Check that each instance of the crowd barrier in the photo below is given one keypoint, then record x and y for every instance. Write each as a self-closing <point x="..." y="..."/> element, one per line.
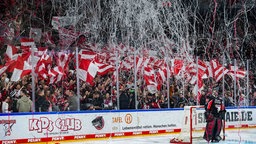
<point x="61" y="126"/>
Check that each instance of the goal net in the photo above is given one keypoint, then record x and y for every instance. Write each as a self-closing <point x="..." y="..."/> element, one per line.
<point x="193" y="126"/>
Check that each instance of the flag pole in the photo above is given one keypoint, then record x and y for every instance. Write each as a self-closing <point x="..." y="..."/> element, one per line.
<point x="77" y="81"/>
<point x="197" y="101"/>
<point x="223" y="95"/>
<point x="117" y="82"/>
<point x="135" y="80"/>
<point x="77" y="65"/>
<point x="223" y="79"/>
<point x="33" y="79"/>
<point x="168" y="81"/>
<point x="235" y="82"/>
<point x="247" y="83"/>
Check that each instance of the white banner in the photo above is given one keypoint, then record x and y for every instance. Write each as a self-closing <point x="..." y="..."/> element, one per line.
<point x="92" y="124"/>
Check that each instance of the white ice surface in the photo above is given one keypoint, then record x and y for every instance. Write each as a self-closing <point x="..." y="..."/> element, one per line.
<point x="237" y="136"/>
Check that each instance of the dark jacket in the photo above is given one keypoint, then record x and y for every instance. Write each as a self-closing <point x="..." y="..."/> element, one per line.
<point x="124" y="101"/>
<point x="41" y="104"/>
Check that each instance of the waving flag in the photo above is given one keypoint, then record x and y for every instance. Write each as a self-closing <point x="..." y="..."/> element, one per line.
<point x="19" y="73"/>
<point x="87" y="71"/>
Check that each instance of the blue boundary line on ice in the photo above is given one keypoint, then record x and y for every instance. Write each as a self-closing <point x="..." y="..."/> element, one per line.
<point x="106" y="111"/>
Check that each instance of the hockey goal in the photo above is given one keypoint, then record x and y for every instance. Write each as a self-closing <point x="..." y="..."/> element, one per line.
<point x="193" y="126"/>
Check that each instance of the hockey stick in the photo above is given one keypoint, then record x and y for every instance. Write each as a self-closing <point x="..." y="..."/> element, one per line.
<point x="223" y="129"/>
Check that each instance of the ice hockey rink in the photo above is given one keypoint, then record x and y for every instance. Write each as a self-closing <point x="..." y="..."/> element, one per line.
<point x="235" y="136"/>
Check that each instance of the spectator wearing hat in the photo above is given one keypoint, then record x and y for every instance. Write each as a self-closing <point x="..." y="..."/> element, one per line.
<point x="24" y="104"/>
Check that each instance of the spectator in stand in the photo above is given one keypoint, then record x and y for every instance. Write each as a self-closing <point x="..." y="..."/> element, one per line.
<point x="41" y="103"/>
<point x="182" y="101"/>
<point x="4" y="79"/>
<point x="242" y="100"/>
<point x="24" y="104"/>
<point x="85" y="100"/>
<point x="123" y="99"/>
<point x="54" y="100"/>
<point x="154" y="104"/>
<point x="72" y="101"/>
<point x="227" y="101"/>
<point x="215" y="93"/>
<point x="48" y="97"/>
<point x="191" y="99"/>
<point x="5" y="105"/>
<point x="203" y="97"/>
<point x="4" y="93"/>
<point x="97" y="101"/>
<point x="253" y="102"/>
<point x="1" y="101"/>
<point x="131" y="94"/>
<point x="15" y="95"/>
<point x="230" y="97"/>
<point x="107" y="101"/>
<point x="175" y="98"/>
<point x="29" y="89"/>
<point x="163" y="101"/>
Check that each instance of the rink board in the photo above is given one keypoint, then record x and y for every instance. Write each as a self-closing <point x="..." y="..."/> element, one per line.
<point x="61" y="126"/>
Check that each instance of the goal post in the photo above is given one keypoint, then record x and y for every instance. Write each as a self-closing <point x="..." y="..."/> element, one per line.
<point x="193" y="125"/>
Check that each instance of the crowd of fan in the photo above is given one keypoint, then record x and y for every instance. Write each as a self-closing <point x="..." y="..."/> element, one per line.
<point x="62" y="96"/>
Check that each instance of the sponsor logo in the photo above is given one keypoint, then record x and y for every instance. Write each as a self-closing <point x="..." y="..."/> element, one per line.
<point x="80" y="137"/>
<point x="128" y="118"/>
<point x="239" y="116"/>
<point x="98" y="122"/>
<point x="232" y="116"/>
<point x="7" y="124"/>
<point x="59" y="138"/>
<point x="100" y="135"/>
<point x="117" y="120"/>
<point x="34" y="140"/>
<point x="9" y="142"/>
<point x="43" y="123"/>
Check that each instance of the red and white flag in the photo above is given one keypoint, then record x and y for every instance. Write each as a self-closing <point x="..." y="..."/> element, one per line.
<point x="149" y="77"/>
<point x="87" y="70"/>
<point x="85" y="54"/>
<point x="26" y="44"/>
<point x="3" y="69"/>
<point x="162" y="74"/>
<point x="19" y="73"/>
<point x="40" y="51"/>
<point x="11" y="52"/>
<point x="141" y="62"/>
<point x="218" y="70"/>
<point x="202" y="68"/>
<point x="236" y="73"/>
<point x="56" y="74"/>
<point x="63" y="59"/>
<point x="177" y="65"/>
<point x="104" y="69"/>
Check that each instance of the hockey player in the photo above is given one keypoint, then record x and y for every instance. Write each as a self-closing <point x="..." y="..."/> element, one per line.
<point x="214" y="114"/>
